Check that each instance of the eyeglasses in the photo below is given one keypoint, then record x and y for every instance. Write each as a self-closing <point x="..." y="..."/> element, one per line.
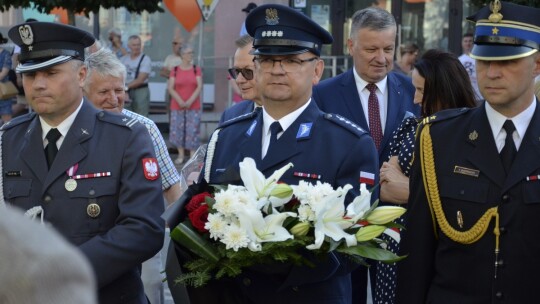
<point x="247" y="73"/>
<point x="175" y="43"/>
<point x="289" y="65"/>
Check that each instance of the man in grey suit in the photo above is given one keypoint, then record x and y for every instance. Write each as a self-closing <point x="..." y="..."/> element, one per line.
<point x="97" y="182"/>
<point x="369" y="94"/>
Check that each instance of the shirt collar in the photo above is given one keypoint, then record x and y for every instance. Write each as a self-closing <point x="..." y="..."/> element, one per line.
<point x="286" y="121"/>
<point x="521" y="121"/>
<point x="63" y="127"/>
<point x="361" y="83"/>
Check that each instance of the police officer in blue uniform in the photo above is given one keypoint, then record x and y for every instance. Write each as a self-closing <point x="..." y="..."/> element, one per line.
<point x="90" y="174"/>
<point x="291" y="128"/>
<point x="474" y="203"/>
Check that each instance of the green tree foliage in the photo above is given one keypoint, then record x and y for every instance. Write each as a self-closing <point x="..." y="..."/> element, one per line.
<point x="84" y="6"/>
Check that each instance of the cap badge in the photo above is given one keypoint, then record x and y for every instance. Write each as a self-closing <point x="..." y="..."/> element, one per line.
<point x="27" y="36"/>
<point x="272" y="16"/>
<point x="495" y="7"/>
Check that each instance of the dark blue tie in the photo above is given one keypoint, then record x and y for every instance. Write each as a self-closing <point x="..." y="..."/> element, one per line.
<point x="275" y="128"/>
<point x="51" y="149"/>
<point x="509" y="151"/>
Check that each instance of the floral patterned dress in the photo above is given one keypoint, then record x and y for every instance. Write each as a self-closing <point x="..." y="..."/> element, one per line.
<point x="402" y="146"/>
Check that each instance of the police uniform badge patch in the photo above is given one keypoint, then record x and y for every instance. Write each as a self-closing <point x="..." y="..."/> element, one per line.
<point x="150" y="168"/>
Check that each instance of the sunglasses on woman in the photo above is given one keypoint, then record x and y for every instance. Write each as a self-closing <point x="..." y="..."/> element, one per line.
<point x="247" y="73"/>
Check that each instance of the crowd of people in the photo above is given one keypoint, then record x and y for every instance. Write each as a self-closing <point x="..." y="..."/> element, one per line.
<point x="452" y="139"/>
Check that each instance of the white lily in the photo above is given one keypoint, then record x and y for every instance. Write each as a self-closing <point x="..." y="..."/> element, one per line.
<point x="358" y="207"/>
<point x="264" y="189"/>
<point x="385" y="214"/>
<point x="329" y="219"/>
<point x="262" y="229"/>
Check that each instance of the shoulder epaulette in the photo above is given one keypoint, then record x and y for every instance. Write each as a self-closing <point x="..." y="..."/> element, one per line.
<point x="17" y="121"/>
<point x="117" y="119"/>
<point x="238" y="119"/>
<point x="444" y="115"/>
<point x="345" y="123"/>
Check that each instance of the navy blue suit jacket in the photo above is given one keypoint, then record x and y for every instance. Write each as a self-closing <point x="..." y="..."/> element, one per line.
<point x="334" y="149"/>
<point x="243" y="107"/>
<point x="128" y="229"/>
<point x="339" y="95"/>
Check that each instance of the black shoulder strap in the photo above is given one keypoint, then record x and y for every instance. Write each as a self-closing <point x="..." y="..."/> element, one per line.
<point x="195" y="69"/>
<point x="138" y="67"/>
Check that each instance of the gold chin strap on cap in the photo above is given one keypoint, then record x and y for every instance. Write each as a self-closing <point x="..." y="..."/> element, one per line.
<point x="427" y="163"/>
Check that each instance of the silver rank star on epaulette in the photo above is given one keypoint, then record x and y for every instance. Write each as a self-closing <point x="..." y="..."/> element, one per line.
<point x="345" y="120"/>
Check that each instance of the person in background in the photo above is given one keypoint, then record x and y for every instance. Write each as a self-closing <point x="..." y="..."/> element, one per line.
<point x="91" y="174"/>
<point x="115" y="43"/>
<point x="406" y="59"/>
<point x="439" y="83"/>
<point x="370" y="95"/>
<point x="286" y="67"/>
<point x="473" y="211"/>
<point x="470" y="65"/>
<point x="185" y="85"/>
<point x="39" y="266"/>
<point x="243" y="72"/>
<point x="5" y="67"/>
<point x="138" y="66"/>
<point x="249" y="7"/>
<point x="537" y="87"/>
<point x="173" y="59"/>
<point x="104" y="87"/>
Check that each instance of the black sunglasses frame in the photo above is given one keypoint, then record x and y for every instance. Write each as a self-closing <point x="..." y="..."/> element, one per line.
<point x="247" y="73"/>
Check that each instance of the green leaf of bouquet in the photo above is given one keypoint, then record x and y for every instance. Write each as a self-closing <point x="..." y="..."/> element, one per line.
<point x="191" y="240"/>
<point x="373" y="253"/>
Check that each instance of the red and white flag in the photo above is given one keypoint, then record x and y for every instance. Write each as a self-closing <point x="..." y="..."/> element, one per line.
<point x="367" y="178"/>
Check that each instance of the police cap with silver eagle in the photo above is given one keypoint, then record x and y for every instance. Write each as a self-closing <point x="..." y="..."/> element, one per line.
<point x="281" y="30"/>
<point x="45" y="44"/>
<point x="505" y="31"/>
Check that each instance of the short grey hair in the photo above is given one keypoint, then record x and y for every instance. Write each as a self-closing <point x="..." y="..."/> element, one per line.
<point x="243" y="41"/>
<point x="103" y="62"/>
<point x="373" y="18"/>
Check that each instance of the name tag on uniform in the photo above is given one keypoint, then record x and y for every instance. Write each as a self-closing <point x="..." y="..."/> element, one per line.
<point x="13" y="173"/>
<point x="466" y="171"/>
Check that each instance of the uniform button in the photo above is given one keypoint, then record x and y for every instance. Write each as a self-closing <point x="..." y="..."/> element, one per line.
<point x="295" y="288"/>
<point x="499" y="295"/>
<point x="47" y="198"/>
<point x="500" y="263"/>
<point x="462" y="192"/>
<point x="502" y="230"/>
<point x="101" y="114"/>
<point x="246" y="281"/>
<point x="506" y="198"/>
<point x="92" y="192"/>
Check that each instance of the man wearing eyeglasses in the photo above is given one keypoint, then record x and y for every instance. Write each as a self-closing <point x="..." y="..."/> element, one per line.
<point x="243" y="73"/>
<point x="291" y="128"/>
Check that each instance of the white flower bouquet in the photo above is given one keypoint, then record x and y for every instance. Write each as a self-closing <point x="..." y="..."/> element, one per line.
<point x="230" y="228"/>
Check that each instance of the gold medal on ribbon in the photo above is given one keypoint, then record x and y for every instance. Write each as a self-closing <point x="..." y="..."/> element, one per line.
<point x="70" y="184"/>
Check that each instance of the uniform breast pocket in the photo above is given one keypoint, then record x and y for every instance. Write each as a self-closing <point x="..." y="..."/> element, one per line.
<point x="531" y="192"/>
<point x="95" y="188"/>
<point x="17" y="188"/>
<point x="463" y="188"/>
